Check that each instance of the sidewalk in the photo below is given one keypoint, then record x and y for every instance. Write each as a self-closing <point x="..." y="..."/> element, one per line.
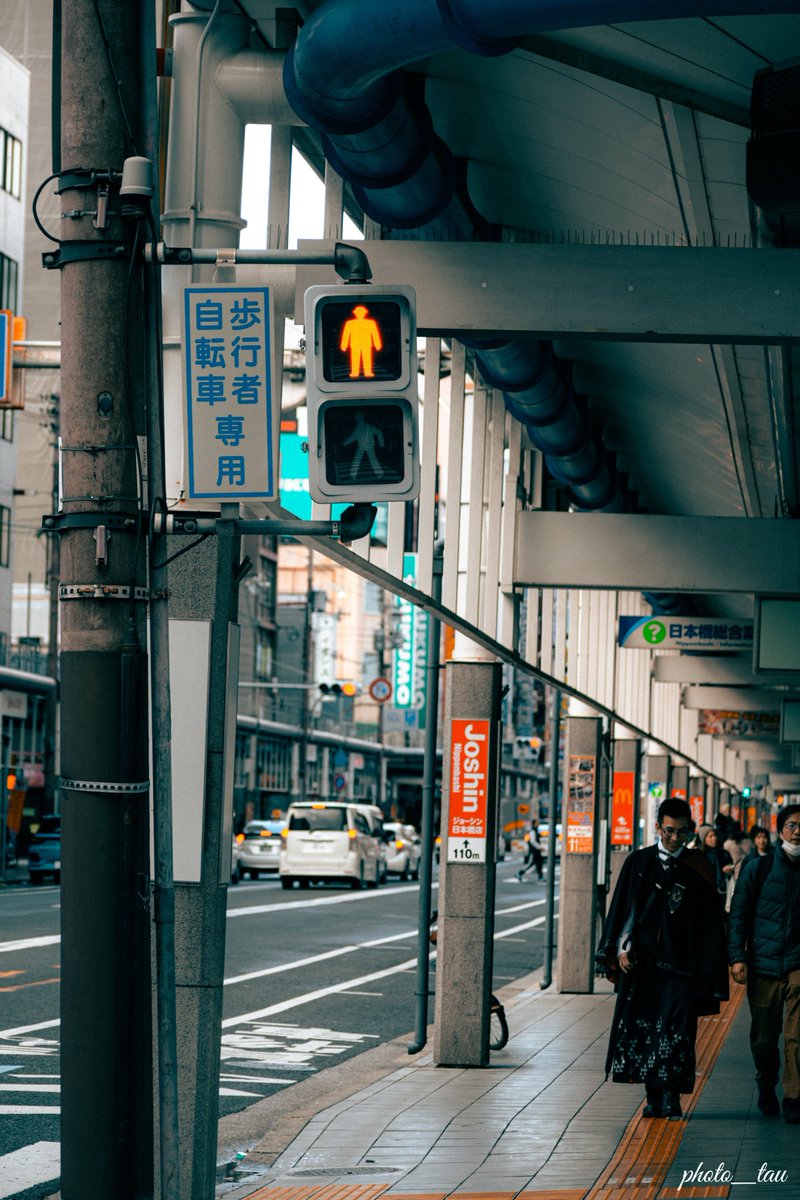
<point x="540" y="1123"/>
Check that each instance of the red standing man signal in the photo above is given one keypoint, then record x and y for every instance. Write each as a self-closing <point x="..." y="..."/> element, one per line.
<point x="361" y="336"/>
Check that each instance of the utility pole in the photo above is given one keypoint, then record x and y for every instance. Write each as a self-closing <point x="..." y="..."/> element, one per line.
<point x="106" y="1050"/>
<point x="53" y="571"/>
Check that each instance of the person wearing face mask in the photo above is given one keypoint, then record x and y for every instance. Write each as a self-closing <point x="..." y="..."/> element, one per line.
<point x="663" y="946"/>
<point x="764" y="952"/>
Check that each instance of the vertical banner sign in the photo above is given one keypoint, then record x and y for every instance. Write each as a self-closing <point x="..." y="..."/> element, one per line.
<point x="231" y="420"/>
<point x="411" y="657"/>
<point x="580" y="804"/>
<point x="469" y="771"/>
<point x="622" y="809"/>
<point x="697" y="804"/>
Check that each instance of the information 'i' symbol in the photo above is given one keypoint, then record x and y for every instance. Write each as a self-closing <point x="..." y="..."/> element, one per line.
<point x="361" y="336"/>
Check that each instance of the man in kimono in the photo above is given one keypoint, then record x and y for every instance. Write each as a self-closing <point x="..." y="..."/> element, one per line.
<point x="663" y="946"/>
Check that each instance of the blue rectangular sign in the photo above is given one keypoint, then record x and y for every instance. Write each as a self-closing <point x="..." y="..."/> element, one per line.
<point x="231" y="417"/>
<point x="685" y="633"/>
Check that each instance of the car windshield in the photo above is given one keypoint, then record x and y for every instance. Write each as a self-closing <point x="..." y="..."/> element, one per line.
<point x="255" y="829"/>
<point x="310" y="819"/>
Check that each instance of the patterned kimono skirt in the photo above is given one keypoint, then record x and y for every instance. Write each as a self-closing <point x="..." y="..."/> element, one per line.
<point x="656" y="1028"/>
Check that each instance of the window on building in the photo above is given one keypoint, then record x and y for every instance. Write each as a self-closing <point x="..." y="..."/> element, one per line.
<point x="5" y="535"/>
<point x="9" y="282"/>
<point x="6" y="424"/>
<point x="10" y="164"/>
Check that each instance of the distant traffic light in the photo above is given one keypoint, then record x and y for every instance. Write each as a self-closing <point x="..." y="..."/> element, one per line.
<point x="348" y="688"/>
<point x="361" y="387"/>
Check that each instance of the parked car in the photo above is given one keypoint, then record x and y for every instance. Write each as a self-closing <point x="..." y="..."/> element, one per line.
<point x="374" y="817"/>
<point x="259" y="849"/>
<point x="328" y="843"/>
<point x="44" y="854"/>
<point x="404" y="849"/>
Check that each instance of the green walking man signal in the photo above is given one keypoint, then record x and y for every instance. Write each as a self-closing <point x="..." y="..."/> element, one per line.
<point x="361" y="388"/>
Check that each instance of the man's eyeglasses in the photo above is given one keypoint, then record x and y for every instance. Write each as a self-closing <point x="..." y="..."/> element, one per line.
<point x="792" y="826"/>
<point x="668" y="831"/>
<point x="680" y="834"/>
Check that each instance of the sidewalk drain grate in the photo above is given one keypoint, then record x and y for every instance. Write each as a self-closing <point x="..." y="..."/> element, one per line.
<point x="318" y="1171"/>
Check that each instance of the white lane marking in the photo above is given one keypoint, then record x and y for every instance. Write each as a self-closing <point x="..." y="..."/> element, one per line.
<point x="251" y="910"/>
<point x="22" y="1029"/>
<point x="351" y="898"/>
<point x="252" y="1079"/>
<point x="9" y="1033"/>
<point x="502" y="912"/>
<point x="308" y="997"/>
<point x="518" y="928"/>
<point x="30" y="1165"/>
<point x="235" y="1092"/>
<point x="30" y="1087"/>
<point x="29" y="943"/>
<point x="315" y="958"/>
<point x="27" y="1110"/>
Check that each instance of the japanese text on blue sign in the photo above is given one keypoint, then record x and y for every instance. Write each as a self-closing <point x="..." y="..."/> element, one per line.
<point x="684" y="633"/>
<point x="231" y="426"/>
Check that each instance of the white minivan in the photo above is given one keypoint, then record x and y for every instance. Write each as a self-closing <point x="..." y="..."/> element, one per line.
<point x="328" y="842"/>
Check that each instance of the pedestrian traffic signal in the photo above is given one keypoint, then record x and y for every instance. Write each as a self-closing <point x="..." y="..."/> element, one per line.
<point x="361" y="388"/>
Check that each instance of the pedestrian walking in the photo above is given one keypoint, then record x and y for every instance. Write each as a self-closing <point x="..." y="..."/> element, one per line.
<point x="762" y="845"/>
<point x="764" y="952"/>
<point x="663" y="946"/>
<point x="719" y="860"/>
<point x="534" y="857"/>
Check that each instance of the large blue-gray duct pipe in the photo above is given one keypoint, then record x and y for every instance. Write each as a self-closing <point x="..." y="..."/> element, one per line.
<point x="344" y="78"/>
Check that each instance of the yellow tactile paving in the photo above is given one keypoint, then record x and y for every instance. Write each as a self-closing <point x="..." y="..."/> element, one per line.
<point x="647" y="1149"/>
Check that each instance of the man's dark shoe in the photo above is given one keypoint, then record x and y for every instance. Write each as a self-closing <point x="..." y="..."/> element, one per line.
<point x="671" y="1105"/>
<point x="654" y="1102"/>
<point x="768" y="1102"/>
<point x="791" y="1111"/>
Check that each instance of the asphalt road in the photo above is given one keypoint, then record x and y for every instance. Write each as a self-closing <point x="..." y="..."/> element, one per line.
<point x="311" y="979"/>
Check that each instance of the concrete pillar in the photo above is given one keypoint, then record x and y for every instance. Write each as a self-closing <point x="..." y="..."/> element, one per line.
<point x="467" y="863"/>
<point x="697" y="799"/>
<point x="659" y="776"/>
<point x="679" y="783"/>
<point x="624" y="816"/>
<point x="724" y="802"/>
<point x="579" y="850"/>
<point x="712" y="801"/>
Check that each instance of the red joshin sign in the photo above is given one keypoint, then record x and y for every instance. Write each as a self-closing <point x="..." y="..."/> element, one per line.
<point x="469" y="771"/>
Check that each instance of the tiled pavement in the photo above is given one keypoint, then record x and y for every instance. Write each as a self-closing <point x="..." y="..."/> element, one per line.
<point x="541" y="1123"/>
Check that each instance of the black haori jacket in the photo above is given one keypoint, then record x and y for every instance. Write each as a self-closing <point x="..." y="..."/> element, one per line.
<point x="707" y="957"/>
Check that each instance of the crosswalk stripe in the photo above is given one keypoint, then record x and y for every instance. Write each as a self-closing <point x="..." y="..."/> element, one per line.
<point x="25" y="1168"/>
